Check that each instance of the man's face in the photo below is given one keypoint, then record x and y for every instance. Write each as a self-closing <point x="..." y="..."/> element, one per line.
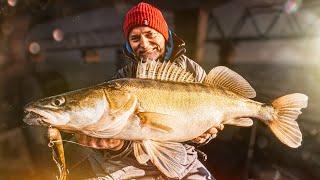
<point x="147" y="43"/>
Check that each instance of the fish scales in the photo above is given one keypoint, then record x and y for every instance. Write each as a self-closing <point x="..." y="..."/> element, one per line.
<point x="179" y="96"/>
<point x="182" y="100"/>
<point x="152" y="97"/>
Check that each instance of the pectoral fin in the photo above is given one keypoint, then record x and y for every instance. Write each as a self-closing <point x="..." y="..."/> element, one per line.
<point x="156" y="121"/>
<point x="140" y="154"/>
<point x="169" y="157"/>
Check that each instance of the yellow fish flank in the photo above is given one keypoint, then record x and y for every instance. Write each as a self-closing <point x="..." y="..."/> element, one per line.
<point x="168" y="111"/>
<point x="163" y="107"/>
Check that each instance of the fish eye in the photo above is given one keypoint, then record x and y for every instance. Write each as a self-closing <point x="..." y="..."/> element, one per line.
<point x="58" y="101"/>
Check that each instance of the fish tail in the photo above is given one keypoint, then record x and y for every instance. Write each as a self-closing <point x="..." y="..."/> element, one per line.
<point x="284" y="124"/>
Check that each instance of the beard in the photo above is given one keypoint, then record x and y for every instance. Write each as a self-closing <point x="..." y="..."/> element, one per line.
<point x="150" y="54"/>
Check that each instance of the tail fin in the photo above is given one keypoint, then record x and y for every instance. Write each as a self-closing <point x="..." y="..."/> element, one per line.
<point x="284" y="124"/>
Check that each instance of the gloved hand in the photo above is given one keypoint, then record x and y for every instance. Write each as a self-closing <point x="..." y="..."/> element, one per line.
<point x="129" y="172"/>
<point x="208" y="135"/>
<point x="99" y="143"/>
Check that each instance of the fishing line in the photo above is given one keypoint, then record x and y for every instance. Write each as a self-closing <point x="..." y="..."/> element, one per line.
<point x="54" y="157"/>
<point x="60" y="167"/>
<point x="51" y="143"/>
<point x="72" y="142"/>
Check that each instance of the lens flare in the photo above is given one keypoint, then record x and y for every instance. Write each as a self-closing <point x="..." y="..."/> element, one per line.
<point x="34" y="48"/>
<point x="58" y="35"/>
<point x="292" y="6"/>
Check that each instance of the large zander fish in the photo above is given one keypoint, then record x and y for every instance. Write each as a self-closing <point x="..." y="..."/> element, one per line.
<point x="163" y="107"/>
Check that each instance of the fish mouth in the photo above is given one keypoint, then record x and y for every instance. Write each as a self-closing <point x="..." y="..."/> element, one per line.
<point x="32" y="117"/>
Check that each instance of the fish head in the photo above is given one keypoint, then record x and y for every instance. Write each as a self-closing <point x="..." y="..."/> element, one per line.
<point x="73" y="110"/>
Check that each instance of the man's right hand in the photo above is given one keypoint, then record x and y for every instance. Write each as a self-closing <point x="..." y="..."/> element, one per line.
<point x="99" y="143"/>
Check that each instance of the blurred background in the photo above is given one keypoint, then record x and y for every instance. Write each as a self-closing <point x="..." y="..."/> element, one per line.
<point x="53" y="46"/>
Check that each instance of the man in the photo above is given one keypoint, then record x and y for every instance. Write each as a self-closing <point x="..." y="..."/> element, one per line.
<point x="147" y="38"/>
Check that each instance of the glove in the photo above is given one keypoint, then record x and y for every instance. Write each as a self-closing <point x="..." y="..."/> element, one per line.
<point x="128" y="172"/>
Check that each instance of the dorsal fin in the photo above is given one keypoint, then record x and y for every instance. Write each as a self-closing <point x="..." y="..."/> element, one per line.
<point x="164" y="71"/>
<point x="228" y="79"/>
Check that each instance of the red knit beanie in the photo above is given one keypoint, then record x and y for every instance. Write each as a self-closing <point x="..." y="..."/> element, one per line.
<point x="144" y="14"/>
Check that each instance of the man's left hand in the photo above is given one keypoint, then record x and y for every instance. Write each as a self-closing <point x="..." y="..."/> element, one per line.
<point x="208" y="135"/>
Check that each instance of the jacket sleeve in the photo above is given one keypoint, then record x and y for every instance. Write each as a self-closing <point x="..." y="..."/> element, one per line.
<point x="191" y="66"/>
<point x="128" y="71"/>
